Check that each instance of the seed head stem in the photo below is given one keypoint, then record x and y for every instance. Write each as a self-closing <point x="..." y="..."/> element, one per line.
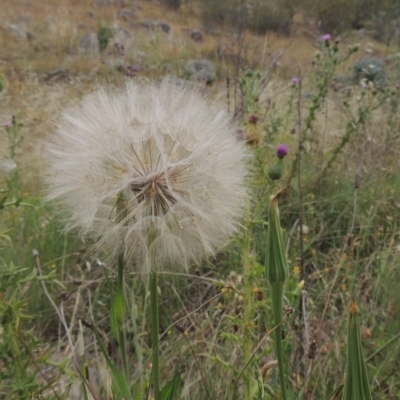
<point x="121" y="328"/>
<point x="154" y="334"/>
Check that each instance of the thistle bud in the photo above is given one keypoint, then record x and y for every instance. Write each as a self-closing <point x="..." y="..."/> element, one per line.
<point x="275" y="170"/>
<point x="276" y="265"/>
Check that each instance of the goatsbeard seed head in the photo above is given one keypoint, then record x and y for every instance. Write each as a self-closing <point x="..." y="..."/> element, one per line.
<point x="154" y="171"/>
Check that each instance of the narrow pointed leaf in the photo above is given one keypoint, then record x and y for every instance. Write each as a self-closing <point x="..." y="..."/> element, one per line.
<point x="276" y="272"/>
<point x="356" y="385"/>
<point x="169" y="390"/>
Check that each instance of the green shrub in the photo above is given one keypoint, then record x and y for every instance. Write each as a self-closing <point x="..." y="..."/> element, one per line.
<point x="104" y="34"/>
<point x="232" y="12"/>
<point x="273" y="16"/>
<point x="2" y="83"/>
<point x="259" y="16"/>
<point x="174" y="4"/>
<point x="370" y="69"/>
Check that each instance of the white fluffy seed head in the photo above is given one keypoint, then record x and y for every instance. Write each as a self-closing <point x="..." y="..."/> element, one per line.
<point x="154" y="171"/>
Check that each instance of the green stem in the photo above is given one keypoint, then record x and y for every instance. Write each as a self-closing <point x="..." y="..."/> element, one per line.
<point x="154" y="334"/>
<point x="121" y="328"/>
<point x="277" y="306"/>
<point x="138" y="348"/>
<point x="247" y="311"/>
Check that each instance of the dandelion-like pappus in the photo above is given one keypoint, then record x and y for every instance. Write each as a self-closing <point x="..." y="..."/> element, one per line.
<point x="154" y="171"/>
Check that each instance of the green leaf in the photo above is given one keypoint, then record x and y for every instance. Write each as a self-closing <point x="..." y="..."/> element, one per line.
<point x="276" y="272"/>
<point x="169" y="390"/>
<point x="141" y="391"/>
<point x="3" y="202"/>
<point x="356" y="385"/>
<point x="119" y="383"/>
<point x="119" y="305"/>
<point x="113" y="321"/>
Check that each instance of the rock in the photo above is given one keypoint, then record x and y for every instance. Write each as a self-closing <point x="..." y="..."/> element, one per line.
<point x="152" y="24"/>
<point x="57" y="75"/>
<point x="120" y="42"/>
<point x="135" y="6"/>
<point x="141" y="55"/>
<point x="125" y="15"/>
<point x="50" y="25"/>
<point x="201" y="70"/>
<point x="122" y="35"/>
<point x="196" y="35"/>
<point x="164" y="27"/>
<point x="115" y="63"/>
<point x="24" y="19"/>
<point x="19" y="32"/>
<point x="89" y="44"/>
<point x="101" y="3"/>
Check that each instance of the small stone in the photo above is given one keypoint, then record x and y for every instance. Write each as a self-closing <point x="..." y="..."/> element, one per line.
<point x="57" y="75"/>
<point x="115" y="64"/>
<point x="126" y="15"/>
<point x="164" y="27"/>
<point x="201" y="70"/>
<point x="152" y="24"/>
<point x="19" y="32"/>
<point x="89" y="44"/>
<point x="196" y="36"/>
<point x="101" y="3"/>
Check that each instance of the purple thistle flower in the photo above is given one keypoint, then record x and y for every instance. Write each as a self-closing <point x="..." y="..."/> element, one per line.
<point x="295" y="81"/>
<point x="282" y="150"/>
<point x="326" y="37"/>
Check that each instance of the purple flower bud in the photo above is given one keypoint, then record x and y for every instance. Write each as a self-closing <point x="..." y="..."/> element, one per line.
<point x="252" y="118"/>
<point x="282" y="150"/>
<point x="295" y="81"/>
<point x="326" y="37"/>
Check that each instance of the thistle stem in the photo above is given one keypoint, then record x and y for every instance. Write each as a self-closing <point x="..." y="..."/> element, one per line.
<point x="121" y="328"/>
<point x="154" y="334"/>
<point x="277" y="306"/>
